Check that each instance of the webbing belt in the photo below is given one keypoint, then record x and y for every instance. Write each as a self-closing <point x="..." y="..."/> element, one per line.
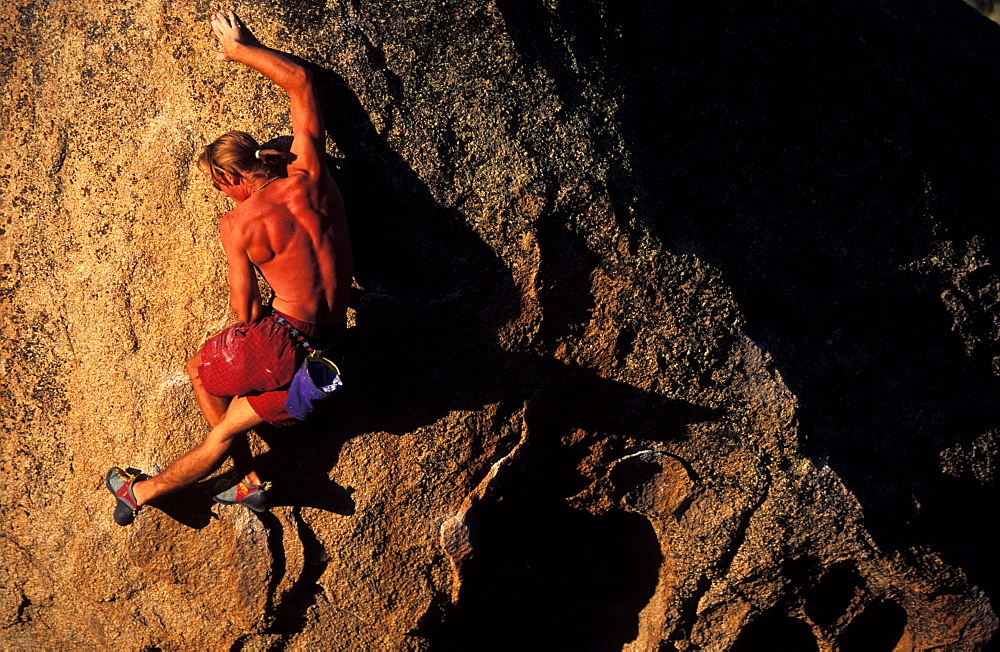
<point x="294" y="332"/>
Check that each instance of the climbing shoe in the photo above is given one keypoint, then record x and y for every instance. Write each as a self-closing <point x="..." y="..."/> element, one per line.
<point x="254" y="496"/>
<point x="119" y="483"/>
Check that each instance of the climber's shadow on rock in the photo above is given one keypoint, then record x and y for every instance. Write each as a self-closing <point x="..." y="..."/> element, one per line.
<point x="297" y="464"/>
<point x="191" y="506"/>
<point x="434" y="297"/>
<point x="296" y="483"/>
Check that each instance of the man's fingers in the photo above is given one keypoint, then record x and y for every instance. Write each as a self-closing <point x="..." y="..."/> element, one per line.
<point x="225" y="24"/>
<point x="222" y="24"/>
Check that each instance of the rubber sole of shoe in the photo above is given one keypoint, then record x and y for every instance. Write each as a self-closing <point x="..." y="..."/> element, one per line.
<point x="124" y="513"/>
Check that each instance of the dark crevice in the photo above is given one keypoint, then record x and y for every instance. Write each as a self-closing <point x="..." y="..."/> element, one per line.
<point x="776" y="631"/>
<point x="829" y="600"/>
<point x="877" y="629"/>
<point x="743" y="527"/>
<point x="22" y="609"/>
<point x="687" y="610"/>
<point x="275" y="543"/>
<point x="289" y="614"/>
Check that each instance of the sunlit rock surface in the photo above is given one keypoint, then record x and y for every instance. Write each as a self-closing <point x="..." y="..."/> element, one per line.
<point x="678" y="328"/>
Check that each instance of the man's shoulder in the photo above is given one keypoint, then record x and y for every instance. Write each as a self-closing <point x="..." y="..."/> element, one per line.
<point x="228" y="222"/>
<point x="242" y="216"/>
<point x="234" y="225"/>
<point x="305" y="181"/>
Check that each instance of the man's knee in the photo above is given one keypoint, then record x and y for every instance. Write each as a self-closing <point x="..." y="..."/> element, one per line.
<point x="240" y="417"/>
<point x="192" y="367"/>
<point x="222" y="435"/>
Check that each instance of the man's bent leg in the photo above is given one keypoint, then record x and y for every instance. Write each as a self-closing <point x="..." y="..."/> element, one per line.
<point x="201" y="460"/>
<point x="212" y="407"/>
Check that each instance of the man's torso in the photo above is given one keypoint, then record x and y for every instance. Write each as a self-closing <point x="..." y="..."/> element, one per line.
<point x="296" y="233"/>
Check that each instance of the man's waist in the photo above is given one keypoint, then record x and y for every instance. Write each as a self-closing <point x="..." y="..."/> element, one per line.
<point x="309" y="314"/>
<point x="319" y="336"/>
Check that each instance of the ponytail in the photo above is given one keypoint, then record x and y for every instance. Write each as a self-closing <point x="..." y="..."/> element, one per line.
<point x="274" y="160"/>
<point x="238" y="154"/>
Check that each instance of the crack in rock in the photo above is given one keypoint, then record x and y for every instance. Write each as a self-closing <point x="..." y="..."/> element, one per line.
<point x="455" y="529"/>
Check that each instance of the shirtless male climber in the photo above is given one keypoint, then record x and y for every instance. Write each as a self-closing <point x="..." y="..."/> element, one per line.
<point x="289" y="223"/>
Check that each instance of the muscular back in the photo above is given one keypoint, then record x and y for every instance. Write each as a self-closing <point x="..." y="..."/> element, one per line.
<point x="295" y="232"/>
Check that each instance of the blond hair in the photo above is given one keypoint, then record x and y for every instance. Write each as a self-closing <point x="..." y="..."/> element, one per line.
<point x="238" y="154"/>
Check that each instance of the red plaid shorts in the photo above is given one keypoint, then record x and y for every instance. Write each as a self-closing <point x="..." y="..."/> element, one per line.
<point x="258" y="361"/>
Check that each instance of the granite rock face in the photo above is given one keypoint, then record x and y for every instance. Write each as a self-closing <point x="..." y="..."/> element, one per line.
<point x="677" y="328"/>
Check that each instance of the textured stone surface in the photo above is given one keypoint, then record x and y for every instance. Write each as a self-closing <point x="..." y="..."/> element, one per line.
<point x="679" y="328"/>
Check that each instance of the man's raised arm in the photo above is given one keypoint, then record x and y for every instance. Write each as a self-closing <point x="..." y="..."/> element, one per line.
<point x="238" y="44"/>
